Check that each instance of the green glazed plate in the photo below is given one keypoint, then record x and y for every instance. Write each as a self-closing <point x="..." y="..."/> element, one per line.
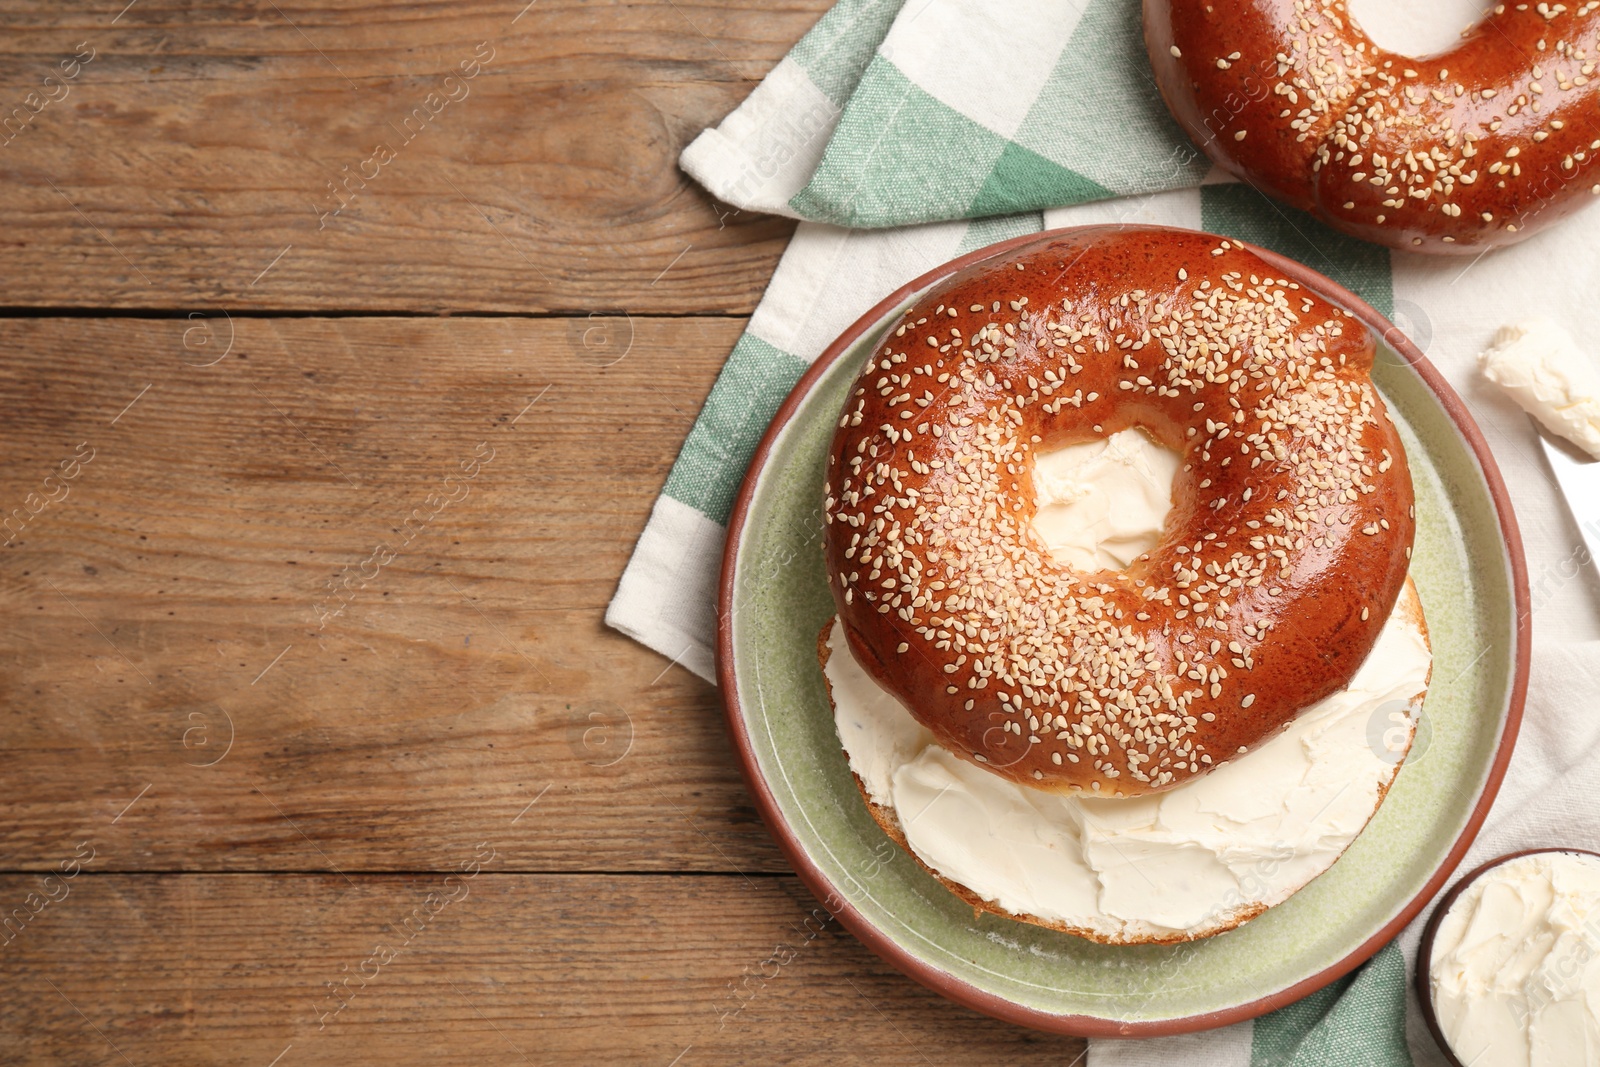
<point x="1468" y="567"/>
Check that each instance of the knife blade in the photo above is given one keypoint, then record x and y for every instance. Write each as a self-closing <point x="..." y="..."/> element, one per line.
<point x="1579" y="479"/>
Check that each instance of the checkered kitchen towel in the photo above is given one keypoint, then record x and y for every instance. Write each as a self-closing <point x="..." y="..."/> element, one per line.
<point x="906" y="132"/>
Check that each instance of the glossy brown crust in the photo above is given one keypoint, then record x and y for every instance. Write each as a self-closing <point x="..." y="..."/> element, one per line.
<point x="1287" y="547"/>
<point x="1475" y="147"/>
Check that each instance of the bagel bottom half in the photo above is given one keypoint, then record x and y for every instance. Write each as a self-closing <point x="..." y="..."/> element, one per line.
<point x="1188" y="863"/>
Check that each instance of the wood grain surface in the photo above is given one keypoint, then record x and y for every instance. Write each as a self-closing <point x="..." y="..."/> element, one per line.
<point x="465" y="969"/>
<point x="283" y="550"/>
<point x="228" y="154"/>
<point x="314" y="746"/>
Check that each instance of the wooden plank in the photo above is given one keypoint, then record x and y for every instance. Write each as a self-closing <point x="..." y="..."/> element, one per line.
<point x="290" y="155"/>
<point x="691" y="971"/>
<point x="205" y="567"/>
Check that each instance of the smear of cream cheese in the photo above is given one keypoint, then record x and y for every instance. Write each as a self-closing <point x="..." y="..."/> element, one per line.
<point x="1515" y="972"/>
<point x="1102" y="504"/>
<point x="1186" y="861"/>
<point x="1540" y="365"/>
<point x="1418" y="27"/>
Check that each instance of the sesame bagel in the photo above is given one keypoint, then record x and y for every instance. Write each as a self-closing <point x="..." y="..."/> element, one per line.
<point x="1323" y="801"/>
<point x="1287" y="545"/>
<point x="1474" y="147"/>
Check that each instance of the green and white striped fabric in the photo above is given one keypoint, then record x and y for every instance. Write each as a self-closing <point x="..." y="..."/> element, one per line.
<point x="906" y="132"/>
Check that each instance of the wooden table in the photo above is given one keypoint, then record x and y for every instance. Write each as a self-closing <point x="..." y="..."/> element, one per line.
<point x="334" y="395"/>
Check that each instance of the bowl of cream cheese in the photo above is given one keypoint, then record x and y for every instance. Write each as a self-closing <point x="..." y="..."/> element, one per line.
<point x="1509" y="969"/>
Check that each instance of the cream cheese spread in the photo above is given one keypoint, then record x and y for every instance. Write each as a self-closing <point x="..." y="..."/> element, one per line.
<point x="1102" y="504"/>
<point x="1515" y="969"/>
<point x="1542" y="368"/>
<point x="1183" y="863"/>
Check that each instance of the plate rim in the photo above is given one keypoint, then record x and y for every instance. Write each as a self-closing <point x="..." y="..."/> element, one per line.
<point x="1000" y="1007"/>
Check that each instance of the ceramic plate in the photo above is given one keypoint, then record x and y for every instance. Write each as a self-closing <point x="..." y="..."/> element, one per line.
<point x="1468" y="567"/>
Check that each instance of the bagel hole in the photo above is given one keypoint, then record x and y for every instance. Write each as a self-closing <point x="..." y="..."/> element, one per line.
<point x="1418" y="27"/>
<point x="1103" y="503"/>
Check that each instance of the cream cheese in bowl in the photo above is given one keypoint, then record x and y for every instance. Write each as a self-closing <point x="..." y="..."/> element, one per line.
<point x="1513" y="964"/>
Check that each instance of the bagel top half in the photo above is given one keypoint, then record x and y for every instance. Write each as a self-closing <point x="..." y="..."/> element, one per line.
<point x="1480" y="145"/>
<point x="1287" y="545"/>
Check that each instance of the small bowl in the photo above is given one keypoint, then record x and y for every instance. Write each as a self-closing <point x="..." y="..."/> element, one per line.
<point x="1425" y="951"/>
